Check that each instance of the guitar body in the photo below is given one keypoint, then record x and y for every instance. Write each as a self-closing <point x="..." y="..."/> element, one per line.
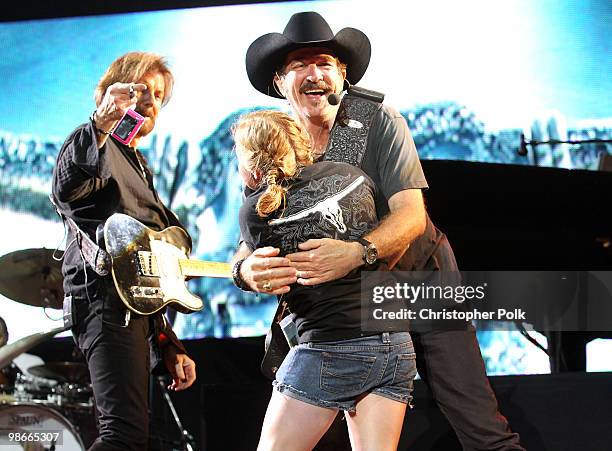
<point x="147" y="265"/>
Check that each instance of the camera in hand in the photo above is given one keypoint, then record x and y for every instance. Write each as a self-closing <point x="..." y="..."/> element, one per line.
<point x="128" y="126"/>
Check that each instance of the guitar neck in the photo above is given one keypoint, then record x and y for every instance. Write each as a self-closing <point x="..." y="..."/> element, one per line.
<point x="200" y="268"/>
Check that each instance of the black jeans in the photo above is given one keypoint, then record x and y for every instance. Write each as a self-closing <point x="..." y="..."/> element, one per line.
<point x="451" y="364"/>
<point x="118" y="359"/>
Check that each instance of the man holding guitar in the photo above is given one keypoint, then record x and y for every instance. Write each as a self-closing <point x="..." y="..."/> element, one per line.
<point x="100" y="172"/>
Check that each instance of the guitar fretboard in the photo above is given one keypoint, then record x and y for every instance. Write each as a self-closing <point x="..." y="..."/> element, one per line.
<point x="148" y="266"/>
<point x="200" y="268"/>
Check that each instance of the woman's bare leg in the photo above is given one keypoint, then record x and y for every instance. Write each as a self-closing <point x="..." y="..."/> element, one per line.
<point x="293" y="425"/>
<point x="376" y="424"/>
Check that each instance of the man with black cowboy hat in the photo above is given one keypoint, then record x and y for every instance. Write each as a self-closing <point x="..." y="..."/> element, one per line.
<point x="305" y="64"/>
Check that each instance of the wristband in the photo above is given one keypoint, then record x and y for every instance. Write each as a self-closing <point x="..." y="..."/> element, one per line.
<point x="237" y="278"/>
<point x="92" y="118"/>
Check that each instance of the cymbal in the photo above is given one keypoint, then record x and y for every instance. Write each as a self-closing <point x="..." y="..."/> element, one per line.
<point x="33" y="277"/>
<point x="70" y="372"/>
<point x="10" y="351"/>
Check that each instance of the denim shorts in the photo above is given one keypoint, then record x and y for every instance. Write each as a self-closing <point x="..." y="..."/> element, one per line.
<point x="337" y="374"/>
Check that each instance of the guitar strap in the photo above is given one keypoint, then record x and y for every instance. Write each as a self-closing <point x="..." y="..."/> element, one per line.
<point x="276" y="346"/>
<point x="99" y="260"/>
<point x="348" y="140"/>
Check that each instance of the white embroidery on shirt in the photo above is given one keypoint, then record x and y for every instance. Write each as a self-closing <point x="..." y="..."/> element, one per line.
<point x="329" y="208"/>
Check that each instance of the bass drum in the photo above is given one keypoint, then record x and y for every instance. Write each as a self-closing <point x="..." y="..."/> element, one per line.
<point x="33" y="427"/>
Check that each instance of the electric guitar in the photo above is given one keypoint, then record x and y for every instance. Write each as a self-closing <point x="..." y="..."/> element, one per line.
<point x="149" y="268"/>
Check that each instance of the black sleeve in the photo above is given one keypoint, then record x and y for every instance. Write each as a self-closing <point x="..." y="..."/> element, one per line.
<point x="245" y="193"/>
<point x="162" y="337"/>
<point x="251" y="225"/>
<point x="81" y="167"/>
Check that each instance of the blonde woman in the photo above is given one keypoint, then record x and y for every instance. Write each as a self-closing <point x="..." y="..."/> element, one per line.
<point x="335" y="365"/>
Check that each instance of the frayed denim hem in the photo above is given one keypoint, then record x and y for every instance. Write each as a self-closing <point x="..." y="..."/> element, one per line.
<point x="294" y="393"/>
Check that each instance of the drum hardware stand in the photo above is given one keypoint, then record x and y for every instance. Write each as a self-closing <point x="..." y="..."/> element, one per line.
<point x="187" y="439"/>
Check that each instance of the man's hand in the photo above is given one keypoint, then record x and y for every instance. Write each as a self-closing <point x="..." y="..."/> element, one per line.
<point x="181" y="367"/>
<point x="117" y="99"/>
<point x="326" y="259"/>
<point x="263" y="271"/>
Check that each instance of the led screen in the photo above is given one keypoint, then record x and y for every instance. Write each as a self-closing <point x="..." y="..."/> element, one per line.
<point x="469" y="77"/>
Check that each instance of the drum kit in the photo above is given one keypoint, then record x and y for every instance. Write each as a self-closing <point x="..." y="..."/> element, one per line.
<point x="47" y="406"/>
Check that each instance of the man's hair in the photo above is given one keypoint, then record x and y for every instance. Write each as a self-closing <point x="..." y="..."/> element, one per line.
<point x="130" y="68"/>
<point x="269" y="137"/>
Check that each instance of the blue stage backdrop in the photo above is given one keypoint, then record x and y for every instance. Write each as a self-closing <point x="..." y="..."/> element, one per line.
<point x="469" y="76"/>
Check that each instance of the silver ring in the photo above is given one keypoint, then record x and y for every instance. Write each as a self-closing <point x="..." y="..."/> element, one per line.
<point x="131" y="92"/>
<point x="266" y="285"/>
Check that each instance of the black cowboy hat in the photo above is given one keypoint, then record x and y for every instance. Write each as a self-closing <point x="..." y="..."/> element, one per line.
<point x="267" y="53"/>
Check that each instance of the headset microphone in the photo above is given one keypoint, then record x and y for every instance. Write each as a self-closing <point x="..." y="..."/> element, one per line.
<point x="333" y="99"/>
